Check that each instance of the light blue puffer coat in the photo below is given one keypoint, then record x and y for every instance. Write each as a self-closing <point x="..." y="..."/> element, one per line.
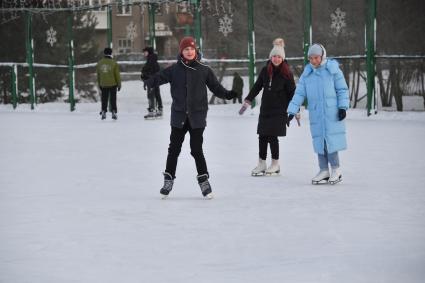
<point x="326" y="91"/>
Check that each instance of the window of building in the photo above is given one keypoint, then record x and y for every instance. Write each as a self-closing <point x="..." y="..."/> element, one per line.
<point x="124" y="46"/>
<point x="124" y="7"/>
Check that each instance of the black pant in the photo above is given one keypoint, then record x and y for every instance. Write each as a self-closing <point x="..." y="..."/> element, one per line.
<point x="154" y="98"/>
<point x="174" y="149"/>
<point x="109" y="93"/>
<point x="274" y="146"/>
<point x="238" y="98"/>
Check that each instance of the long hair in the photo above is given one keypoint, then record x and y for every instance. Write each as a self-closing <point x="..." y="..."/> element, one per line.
<point x="284" y="70"/>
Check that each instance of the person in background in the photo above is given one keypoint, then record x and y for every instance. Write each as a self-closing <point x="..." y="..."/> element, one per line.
<point x="278" y="85"/>
<point x="109" y="81"/>
<point x="323" y="84"/>
<point x="150" y="68"/>
<point x="189" y="79"/>
<point x="237" y="87"/>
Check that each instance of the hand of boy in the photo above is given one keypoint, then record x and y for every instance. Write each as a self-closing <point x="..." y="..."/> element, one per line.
<point x="230" y="94"/>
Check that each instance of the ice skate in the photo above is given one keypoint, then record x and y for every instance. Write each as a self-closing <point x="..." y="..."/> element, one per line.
<point x="151" y="115"/>
<point x="114" y="115"/>
<point x="260" y="169"/>
<point x="158" y="114"/>
<point x="274" y="168"/>
<point x="103" y="115"/>
<point x="205" y="186"/>
<point x="336" y="176"/>
<point x="321" y="178"/>
<point x="168" y="185"/>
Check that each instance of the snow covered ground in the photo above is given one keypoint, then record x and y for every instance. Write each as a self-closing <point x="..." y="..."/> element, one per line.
<point x="79" y="200"/>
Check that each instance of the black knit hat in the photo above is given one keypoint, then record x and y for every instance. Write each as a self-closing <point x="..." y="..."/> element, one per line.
<point x="107" y="51"/>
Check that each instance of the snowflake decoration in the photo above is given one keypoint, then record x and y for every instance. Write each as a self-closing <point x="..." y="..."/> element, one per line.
<point x="225" y="25"/>
<point x="338" y="21"/>
<point x="131" y="31"/>
<point x="51" y="36"/>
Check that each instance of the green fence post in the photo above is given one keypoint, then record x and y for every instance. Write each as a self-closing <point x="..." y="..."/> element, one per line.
<point x="308" y="34"/>
<point x="109" y="26"/>
<point x="30" y="58"/>
<point x="71" y="69"/>
<point x="370" y="54"/>
<point x="198" y="24"/>
<point x="14" y="85"/>
<point x="152" y="38"/>
<point x="251" y="46"/>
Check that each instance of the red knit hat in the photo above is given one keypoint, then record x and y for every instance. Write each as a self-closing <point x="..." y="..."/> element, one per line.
<point x="187" y="41"/>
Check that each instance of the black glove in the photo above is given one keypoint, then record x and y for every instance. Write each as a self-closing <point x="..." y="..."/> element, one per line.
<point x="230" y="94"/>
<point x="144" y="85"/>
<point x="288" y="120"/>
<point x="118" y="88"/>
<point x="341" y="114"/>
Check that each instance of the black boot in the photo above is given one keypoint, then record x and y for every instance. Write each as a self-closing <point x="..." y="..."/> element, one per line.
<point x="205" y="185"/>
<point x="168" y="185"/>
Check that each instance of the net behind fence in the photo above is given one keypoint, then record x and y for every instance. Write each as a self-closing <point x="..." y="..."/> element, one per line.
<point x="339" y="25"/>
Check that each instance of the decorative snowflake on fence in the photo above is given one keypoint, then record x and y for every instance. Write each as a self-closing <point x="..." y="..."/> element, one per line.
<point x="131" y="31"/>
<point x="338" y="21"/>
<point x="225" y="25"/>
<point x="51" y="36"/>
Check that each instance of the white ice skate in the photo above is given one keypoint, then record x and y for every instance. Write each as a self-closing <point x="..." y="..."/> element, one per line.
<point x="274" y="168"/>
<point x="336" y="176"/>
<point x="260" y="169"/>
<point x="321" y="178"/>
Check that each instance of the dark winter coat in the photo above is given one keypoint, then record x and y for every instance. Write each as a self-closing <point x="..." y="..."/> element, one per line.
<point x="237" y="85"/>
<point x="151" y="66"/>
<point x="274" y="101"/>
<point x="189" y="84"/>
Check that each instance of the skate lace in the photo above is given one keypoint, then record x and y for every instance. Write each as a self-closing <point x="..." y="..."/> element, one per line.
<point x="205" y="186"/>
<point x="168" y="185"/>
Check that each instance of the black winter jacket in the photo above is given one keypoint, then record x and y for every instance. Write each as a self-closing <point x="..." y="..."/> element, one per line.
<point x="274" y="101"/>
<point x="189" y="84"/>
<point x="151" y="66"/>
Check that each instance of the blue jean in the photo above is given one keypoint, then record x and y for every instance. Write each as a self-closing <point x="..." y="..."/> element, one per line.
<point x="331" y="158"/>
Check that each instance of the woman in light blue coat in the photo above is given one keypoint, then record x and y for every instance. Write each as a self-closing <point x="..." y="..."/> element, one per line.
<point x="324" y="86"/>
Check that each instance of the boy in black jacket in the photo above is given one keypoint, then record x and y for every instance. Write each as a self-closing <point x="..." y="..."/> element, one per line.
<point x="150" y="68"/>
<point x="189" y="80"/>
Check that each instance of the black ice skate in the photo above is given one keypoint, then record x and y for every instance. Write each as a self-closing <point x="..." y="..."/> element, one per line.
<point x="151" y="115"/>
<point x="168" y="185"/>
<point x="114" y="115"/>
<point x="103" y="115"/>
<point x="205" y="186"/>
<point x="158" y="114"/>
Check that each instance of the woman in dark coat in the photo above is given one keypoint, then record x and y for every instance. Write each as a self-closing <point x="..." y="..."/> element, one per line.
<point x="277" y="82"/>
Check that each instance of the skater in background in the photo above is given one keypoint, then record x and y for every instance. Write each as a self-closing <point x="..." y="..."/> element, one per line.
<point x="189" y="79"/>
<point x="150" y="68"/>
<point x="278" y="85"/>
<point x="324" y="86"/>
<point x="109" y="81"/>
<point x="237" y="87"/>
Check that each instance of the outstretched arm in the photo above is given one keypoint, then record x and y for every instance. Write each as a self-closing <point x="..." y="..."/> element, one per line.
<point x="160" y="78"/>
<point x="215" y="87"/>
<point x="298" y="98"/>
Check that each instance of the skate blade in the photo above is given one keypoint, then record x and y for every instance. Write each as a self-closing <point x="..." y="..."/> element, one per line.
<point x="164" y="196"/>
<point x="258" y="174"/>
<point x="321" y="182"/>
<point x="336" y="182"/>
<point x="209" y="196"/>
<point x="272" y="173"/>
